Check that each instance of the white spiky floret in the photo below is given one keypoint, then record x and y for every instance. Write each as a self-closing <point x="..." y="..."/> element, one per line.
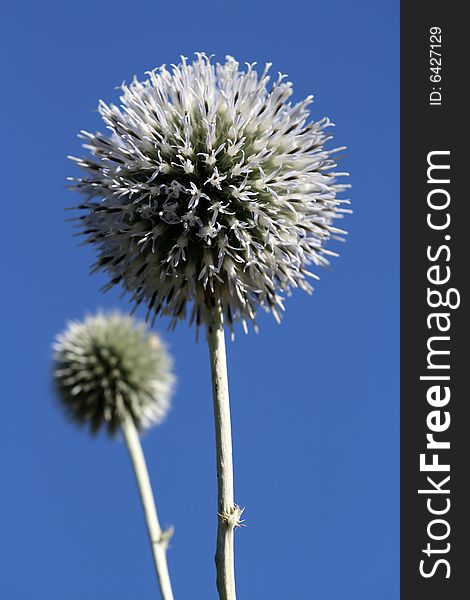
<point x="210" y="183"/>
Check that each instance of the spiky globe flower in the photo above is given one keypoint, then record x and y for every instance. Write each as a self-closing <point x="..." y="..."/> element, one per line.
<point x="109" y="366"/>
<point x="210" y="182"/>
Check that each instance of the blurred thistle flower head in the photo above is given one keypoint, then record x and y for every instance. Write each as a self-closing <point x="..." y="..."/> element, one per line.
<point x="108" y="366"/>
<point x="210" y="182"/>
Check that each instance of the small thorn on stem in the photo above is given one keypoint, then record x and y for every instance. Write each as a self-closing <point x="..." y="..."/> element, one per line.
<point x="165" y="537"/>
<point x="232" y="517"/>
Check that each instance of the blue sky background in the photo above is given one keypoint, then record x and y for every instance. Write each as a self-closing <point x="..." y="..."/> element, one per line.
<point x="315" y="400"/>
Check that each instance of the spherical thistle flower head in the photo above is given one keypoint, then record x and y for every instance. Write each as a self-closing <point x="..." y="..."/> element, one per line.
<point x="109" y="366"/>
<point x="210" y="183"/>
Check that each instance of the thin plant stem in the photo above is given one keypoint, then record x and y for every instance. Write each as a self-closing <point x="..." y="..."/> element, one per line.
<point x="158" y="538"/>
<point x="228" y="512"/>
